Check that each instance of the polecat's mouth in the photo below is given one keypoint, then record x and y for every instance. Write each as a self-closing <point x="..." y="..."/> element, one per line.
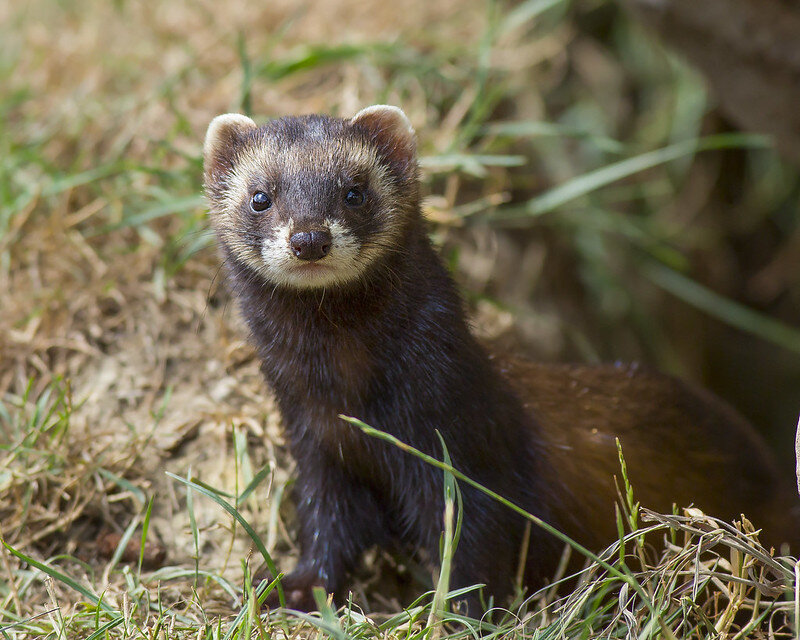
<point x="311" y="267"/>
<point x="310" y="274"/>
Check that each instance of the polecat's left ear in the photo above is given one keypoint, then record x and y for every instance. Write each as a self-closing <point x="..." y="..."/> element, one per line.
<point x="391" y="131"/>
<point x="221" y="138"/>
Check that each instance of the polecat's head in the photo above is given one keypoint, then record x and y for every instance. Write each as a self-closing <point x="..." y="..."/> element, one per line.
<point x="312" y="201"/>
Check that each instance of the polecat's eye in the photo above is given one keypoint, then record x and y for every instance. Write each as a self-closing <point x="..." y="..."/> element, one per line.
<point x="354" y="197"/>
<point x="260" y="202"/>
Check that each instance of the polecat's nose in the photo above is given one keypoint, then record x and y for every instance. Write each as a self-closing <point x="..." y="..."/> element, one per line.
<point x="311" y="245"/>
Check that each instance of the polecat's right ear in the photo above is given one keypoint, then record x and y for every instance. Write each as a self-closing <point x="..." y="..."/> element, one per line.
<point x="223" y="134"/>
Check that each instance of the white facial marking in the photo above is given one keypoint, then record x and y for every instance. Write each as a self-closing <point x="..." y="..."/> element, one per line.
<point x="281" y="266"/>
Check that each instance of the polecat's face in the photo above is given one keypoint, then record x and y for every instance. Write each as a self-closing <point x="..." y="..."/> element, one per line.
<point x="311" y="202"/>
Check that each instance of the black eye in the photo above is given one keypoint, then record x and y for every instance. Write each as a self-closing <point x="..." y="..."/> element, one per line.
<point x="260" y="202"/>
<point x="354" y="197"/>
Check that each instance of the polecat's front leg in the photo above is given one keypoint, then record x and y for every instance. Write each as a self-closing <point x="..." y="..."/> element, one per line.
<point x="339" y="518"/>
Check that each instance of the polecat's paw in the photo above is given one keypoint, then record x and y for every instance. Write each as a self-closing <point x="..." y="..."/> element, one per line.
<point x="297" y="592"/>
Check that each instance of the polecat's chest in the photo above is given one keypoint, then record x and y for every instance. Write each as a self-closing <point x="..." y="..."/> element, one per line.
<point x="319" y="362"/>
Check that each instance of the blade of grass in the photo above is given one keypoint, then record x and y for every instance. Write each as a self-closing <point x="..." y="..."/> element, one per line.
<point x="210" y="493"/>
<point x="536" y="129"/>
<point x="450" y="536"/>
<point x="177" y="573"/>
<point x="194" y="529"/>
<point x="103" y="631"/>
<point x="177" y="205"/>
<point x="525" y="12"/>
<point x="60" y="576"/>
<point x="593" y="180"/>
<point x="312" y="56"/>
<point x="327" y="625"/>
<point x="145" y="528"/>
<point x="123" y="543"/>
<point x="473" y="164"/>
<point x="245" y="93"/>
<point x="257" y="480"/>
<point x="722" y="308"/>
<point x="124" y="484"/>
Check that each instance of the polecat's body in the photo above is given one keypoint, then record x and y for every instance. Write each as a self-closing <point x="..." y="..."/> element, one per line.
<point x="353" y="313"/>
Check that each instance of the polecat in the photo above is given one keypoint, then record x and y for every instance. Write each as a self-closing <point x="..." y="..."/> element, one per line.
<point x="352" y="311"/>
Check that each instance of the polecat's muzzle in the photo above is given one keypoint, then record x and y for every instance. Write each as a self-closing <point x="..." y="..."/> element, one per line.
<point x="311" y="245"/>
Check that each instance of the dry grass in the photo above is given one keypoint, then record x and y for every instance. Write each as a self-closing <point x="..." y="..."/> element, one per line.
<point x="122" y="358"/>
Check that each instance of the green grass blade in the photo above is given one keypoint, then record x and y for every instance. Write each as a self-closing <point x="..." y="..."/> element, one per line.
<point x="246" y="90"/>
<point x="177" y="205"/>
<point x="450" y="535"/>
<point x="195" y="531"/>
<point x="257" y="480"/>
<point x="594" y="180"/>
<point x="473" y="164"/>
<point x="525" y="12"/>
<point x="145" y="528"/>
<point x="539" y="129"/>
<point x="123" y="543"/>
<point x="724" y="309"/>
<point x="177" y="573"/>
<point x="313" y="56"/>
<point x="71" y="181"/>
<point x="124" y="484"/>
<point x="102" y="631"/>
<point x="61" y="577"/>
<point x="326" y="626"/>
<point x="238" y="517"/>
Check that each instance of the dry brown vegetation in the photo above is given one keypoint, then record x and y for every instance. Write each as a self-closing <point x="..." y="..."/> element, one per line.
<point x="122" y="357"/>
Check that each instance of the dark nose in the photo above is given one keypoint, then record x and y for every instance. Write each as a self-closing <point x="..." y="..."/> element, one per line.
<point x="311" y="245"/>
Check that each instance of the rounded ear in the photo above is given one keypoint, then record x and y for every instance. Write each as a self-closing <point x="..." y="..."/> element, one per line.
<point x="390" y="129"/>
<point x="221" y="138"/>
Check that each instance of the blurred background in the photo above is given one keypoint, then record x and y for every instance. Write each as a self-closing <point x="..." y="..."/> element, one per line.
<point x="607" y="180"/>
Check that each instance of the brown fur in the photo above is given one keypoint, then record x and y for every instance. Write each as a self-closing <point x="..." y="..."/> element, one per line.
<point x="682" y="445"/>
